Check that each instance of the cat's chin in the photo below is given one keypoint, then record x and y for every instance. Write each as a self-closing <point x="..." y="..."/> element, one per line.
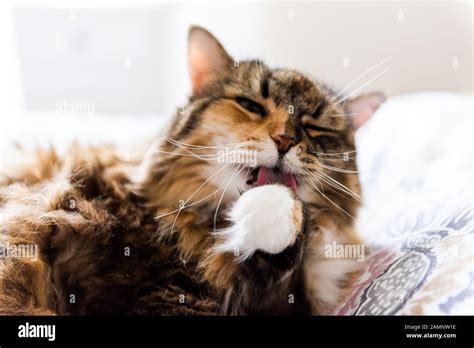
<point x="268" y="176"/>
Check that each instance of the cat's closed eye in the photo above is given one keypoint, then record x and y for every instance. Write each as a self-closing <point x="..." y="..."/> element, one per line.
<point x="318" y="131"/>
<point x="251" y="105"/>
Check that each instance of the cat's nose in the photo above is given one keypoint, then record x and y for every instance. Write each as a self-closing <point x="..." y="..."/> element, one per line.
<point x="283" y="142"/>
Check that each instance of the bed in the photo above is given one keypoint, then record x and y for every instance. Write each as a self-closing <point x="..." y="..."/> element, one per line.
<point x="415" y="159"/>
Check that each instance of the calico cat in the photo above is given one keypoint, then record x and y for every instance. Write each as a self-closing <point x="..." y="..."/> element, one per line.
<point x="182" y="229"/>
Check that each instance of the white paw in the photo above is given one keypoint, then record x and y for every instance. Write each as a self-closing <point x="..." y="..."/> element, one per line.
<point x="265" y="218"/>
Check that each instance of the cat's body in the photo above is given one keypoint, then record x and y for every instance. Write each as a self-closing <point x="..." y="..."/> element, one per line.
<point x="179" y="230"/>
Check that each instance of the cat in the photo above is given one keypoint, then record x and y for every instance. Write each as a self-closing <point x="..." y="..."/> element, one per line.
<point x="183" y="230"/>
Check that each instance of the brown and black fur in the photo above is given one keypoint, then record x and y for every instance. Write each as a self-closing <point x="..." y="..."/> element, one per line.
<point x="86" y="209"/>
<point x="82" y="226"/>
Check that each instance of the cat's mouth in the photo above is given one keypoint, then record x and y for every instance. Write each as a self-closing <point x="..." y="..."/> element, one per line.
<point x="266" y="176"/>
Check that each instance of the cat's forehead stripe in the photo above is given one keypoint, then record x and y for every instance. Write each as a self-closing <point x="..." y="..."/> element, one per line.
<point x="265" y="88"/>
<point x="291" y="89"/>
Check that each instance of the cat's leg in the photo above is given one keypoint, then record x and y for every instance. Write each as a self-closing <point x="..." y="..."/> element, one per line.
<point x="261" y="254"/>
<point x="329" y="274"/>
<point x="266" y="218"/>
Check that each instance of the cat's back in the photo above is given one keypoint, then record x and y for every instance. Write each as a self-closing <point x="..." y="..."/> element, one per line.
<point x="86" y="227"/>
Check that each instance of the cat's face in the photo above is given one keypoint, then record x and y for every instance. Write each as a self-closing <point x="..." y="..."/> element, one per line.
<point x="253" y="126"/>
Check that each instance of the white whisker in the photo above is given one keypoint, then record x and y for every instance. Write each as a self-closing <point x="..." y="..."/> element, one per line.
<point x="197" y="147"/>
<point x="333" y="153"/>
<point x="338" y="185"/>
<point x="189" y="205"/>
<point x="361" y="76"/>
<point x="316" y="187"/>
<point x="211" y="157"/>
<point x="363" y="85"/>
<point x="236" y="172"/>
<point x="339" y="170"/>
<point x="194" y="193"/>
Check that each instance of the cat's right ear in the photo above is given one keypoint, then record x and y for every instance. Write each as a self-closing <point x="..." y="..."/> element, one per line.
<point x="362" y="107"/>
<point x="207" y="59"/>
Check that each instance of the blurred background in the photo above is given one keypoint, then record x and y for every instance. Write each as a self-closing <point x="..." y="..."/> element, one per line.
<point x="129" y="57"/>
<point x="113" y="71"/>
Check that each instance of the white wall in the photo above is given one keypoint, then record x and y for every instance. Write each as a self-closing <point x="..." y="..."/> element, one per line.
<point x="131" y="57"/>
<point x="423" y="39"/>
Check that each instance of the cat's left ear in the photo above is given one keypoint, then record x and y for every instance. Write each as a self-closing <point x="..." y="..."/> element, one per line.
<point x="207" y="58"/>
<point x="362" y="107"/>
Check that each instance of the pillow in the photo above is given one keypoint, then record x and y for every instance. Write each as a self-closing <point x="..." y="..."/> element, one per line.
<point x="415" y="159"/>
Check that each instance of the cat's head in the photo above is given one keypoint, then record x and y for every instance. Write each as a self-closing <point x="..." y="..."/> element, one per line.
<point x="252" y="125"/>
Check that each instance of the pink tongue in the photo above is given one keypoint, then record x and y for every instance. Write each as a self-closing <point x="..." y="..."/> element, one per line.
<point x="267" y="176"/>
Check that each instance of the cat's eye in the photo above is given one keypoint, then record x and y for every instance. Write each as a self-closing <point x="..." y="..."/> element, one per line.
<point x="317" y="131"/>
<point x="318" y="128"/>
<point x="251" y="106"/>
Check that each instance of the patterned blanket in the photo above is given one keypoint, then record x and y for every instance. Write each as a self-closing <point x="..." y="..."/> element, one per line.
<point x="415" y="160"/>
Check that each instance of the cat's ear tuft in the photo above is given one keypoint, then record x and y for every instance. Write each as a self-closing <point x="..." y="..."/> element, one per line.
<point x="207" y="59"/>
<point x="362" y="107"/>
